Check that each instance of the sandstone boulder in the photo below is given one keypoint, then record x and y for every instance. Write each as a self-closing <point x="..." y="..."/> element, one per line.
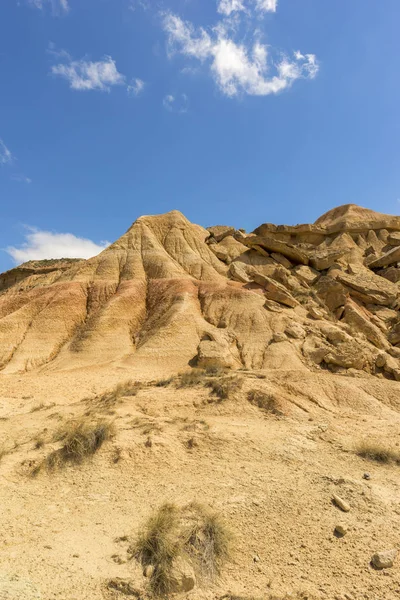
<point x="389" y="258"/>
<point x="306" y="274"/>
<point x="359" y="318"/>
<point x="332" y="292"/>
<point x="271" y="244"/>
<point x="274" y="290"/>
<point x="219" y="232"/>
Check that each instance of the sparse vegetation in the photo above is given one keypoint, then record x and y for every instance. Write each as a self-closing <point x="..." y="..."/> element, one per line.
<point x="192" y="533"/>
<point x="192" y="378"/>
<point x="3" y="452"/>
<point x="378" y="452"/>
<point x="164" y="382"/>
<point x="265" y="401"/>
<point x="112" y="397"/>
<point x="224" y="387"/>
<point x="158" y="545"/>
<point x="209" y="541"/>
<point x="80" y="440"/>
<point x="39" y="443"/>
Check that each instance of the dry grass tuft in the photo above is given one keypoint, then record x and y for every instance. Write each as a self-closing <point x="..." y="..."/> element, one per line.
<point x="192" y="378"/>
<point x="209" y="540"/>
<point x="3" y="452"/>
<point x="114" y="396"/>
<point x="192" y="533"/>
<point x="264" y="401"/>
<point x="158" y="545"/>
<point x="378" y="452"/>
<point x="224" y="387"/>
<point x="164" y="382"/>
<point x="80" y="440"/>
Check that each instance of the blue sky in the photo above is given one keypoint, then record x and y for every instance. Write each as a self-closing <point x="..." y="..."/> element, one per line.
<point x="232" y="111"/>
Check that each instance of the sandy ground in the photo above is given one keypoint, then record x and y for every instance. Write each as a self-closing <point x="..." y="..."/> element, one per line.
<point x="271" y="477"/>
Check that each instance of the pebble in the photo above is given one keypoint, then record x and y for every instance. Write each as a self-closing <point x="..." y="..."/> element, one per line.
<point x="385" y="559"/>
<point x="342" y="504"/>
<point x="366" y="476"/>
<point x="340" y="530"/>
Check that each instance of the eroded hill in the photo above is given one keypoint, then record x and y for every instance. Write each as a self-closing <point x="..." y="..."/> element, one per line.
<point x="169" y="294"/>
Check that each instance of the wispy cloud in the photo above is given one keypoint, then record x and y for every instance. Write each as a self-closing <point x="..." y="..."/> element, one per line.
<point x="86" y="75"/>
<point x="58" y="7"/>
<point x="227" y="7"/>
<point x="237" y="65"/>
<point x="41" y="245"/>
<point x="177" y="104"/>
<point x="5" y="154"/>
<point x="136" y="87"/>
<point x="135" y="4"/>
<point x="21" y="178"/>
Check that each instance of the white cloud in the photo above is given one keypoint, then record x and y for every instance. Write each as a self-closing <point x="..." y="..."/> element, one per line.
<point x="267" y="5"/>
<point x="5" y="154"/>
<point x="237" y="67"/>
<point x="41" y="245"/>
<point x="227" y="7"/>
<point x="178" y="104"/>
<point x="136" y="87"/>
<point x="21" y="178"/>
<point x="87" y="75"/>
<point x="58" y="6"/>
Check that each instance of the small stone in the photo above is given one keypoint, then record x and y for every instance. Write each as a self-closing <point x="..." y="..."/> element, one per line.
<point x="366" y="476"/>
<point x="384" y="560"/>
<point x="148" y="571"/>
<point x="256" y="558"/>
<point x="380" y="361"/>
<point x="279" y="337"/>
<point x="340" y="530"/>
<point x="340" y="503"/>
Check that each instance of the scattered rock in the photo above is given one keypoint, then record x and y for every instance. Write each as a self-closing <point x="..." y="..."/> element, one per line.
<point x="124" y="586"/>
<point x="367" y="476"/>
<point x="148" y="571"/>
<point x="340" y="530"/>
<point x="219" y="232"/>
<point x="384" y="560"/>
<point x="279" y="337"/>
<point x="182" y="577"/>
<point x="340" y="503"/>
<point x="274" y="290"/>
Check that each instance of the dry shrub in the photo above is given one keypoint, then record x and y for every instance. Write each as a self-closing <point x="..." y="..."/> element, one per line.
<point x="80" y="440"/>
<point x="209" y="540"/>
<point x="164" y="382"/>
<point x="3" y="452"/>
<point x="378" y="452"/>
<point x="158" y="545"/>
<point x="224" y="387"/>
<point x="192" y="378"/>
<point x="264" y="401"/>
<point x="192" y="533"/>
<point x="114" y="396"/>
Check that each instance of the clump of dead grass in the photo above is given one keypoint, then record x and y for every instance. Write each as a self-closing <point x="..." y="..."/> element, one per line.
<point x="224" y="387"/>
<point x="80" y="440"/>
<point x="112" y="397"/>
<point x="192" y="533"/>
<point x="378" y="452"/>
<point x="265" y="401"/>
<point x="192" y="378"/>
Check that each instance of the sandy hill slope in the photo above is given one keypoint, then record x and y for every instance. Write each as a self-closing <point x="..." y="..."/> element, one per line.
<point x="254" y="373"/>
